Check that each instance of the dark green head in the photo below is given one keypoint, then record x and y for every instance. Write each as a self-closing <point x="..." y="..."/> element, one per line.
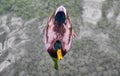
<point x="57" y="45"/>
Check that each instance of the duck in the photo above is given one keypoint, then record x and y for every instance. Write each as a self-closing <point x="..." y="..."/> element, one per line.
<point x="58" y="34"/>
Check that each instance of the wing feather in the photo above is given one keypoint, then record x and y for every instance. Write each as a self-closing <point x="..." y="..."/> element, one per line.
<point x="49" y="33"/>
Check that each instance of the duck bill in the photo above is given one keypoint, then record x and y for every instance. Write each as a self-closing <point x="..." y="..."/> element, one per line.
<point x="59" y="54"/>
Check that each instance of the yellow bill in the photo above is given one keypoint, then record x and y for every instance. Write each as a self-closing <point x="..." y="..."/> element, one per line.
<point x="59" y="54"/>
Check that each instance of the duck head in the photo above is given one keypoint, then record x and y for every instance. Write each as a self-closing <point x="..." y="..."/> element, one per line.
<point x="60" y="16"/>
<point x="57" y="47"/>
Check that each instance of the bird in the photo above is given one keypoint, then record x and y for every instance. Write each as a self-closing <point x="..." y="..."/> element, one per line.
<point x="58" y="34"/>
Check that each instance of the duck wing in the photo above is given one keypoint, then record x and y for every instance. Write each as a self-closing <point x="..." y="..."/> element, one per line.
<point x="49" y="33"/>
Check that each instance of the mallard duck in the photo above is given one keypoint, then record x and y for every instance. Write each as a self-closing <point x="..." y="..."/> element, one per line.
<point x="58" y="34"/>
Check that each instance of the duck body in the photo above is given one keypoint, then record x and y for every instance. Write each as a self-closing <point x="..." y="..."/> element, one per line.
<point x="58" y="32"/>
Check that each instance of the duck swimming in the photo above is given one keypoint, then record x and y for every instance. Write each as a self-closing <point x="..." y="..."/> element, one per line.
<point x="58" y="34"/>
